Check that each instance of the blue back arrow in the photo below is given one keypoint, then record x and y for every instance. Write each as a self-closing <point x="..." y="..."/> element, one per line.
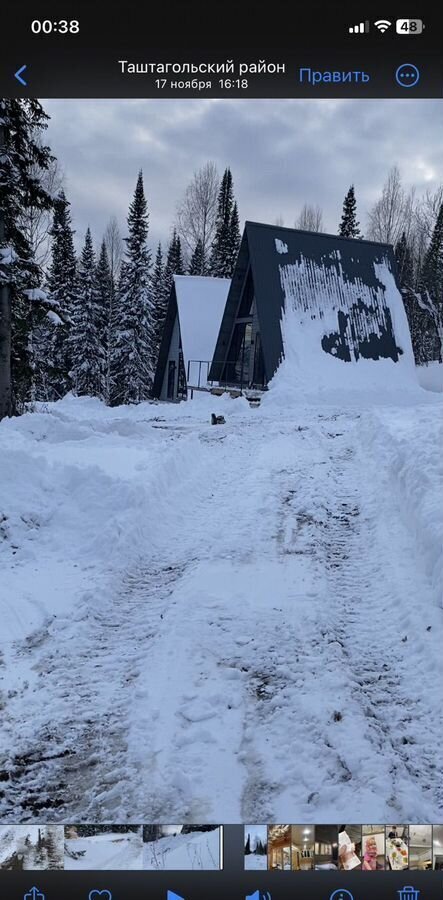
<point x="18" y="75"/>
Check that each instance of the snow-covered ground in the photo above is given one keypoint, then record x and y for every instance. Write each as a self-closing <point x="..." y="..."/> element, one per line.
<point x="105" y="851"/>
<point x="197" y="850"/>
<point x="256" y="861"/>
<point x="431" y="376"/>
<point x="231" y="623"/>
<point x="256" y="842"/>
<point x="24" y="847"/>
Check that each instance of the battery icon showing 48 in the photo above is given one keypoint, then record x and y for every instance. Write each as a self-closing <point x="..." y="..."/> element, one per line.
<point x="409" y="26"/>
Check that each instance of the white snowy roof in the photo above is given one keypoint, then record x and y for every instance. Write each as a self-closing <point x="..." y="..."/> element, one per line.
<point x="201" y="302"/>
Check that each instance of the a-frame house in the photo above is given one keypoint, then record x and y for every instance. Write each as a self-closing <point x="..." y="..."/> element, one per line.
<point x="345" y="286"/>
<point x="190" y="330"/>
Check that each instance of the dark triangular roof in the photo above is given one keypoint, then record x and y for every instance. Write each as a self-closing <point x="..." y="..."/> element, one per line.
<point x="270" y="251"/>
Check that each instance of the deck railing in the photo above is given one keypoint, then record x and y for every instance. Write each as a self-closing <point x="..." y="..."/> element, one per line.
<point x="197" y="376"/>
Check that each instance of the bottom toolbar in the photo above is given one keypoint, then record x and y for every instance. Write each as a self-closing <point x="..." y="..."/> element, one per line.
<point x="219" y="886"/>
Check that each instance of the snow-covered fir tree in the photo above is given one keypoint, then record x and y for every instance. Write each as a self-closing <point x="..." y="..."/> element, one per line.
<point x="227" y="234"/>
<point x="160" y="298"/>
<point x="133" y="330"/>
<point x="88" y="357"/>
<point x="54" y="343"/>
<point x="234" y="239"/>
<point x="431" y="276"/>
<point x="197" y="265"/>
<point x="405" y="265"/>
<point x="22" y="152"/>
<point x="105" y="288"/>
<point x="174" y="260"/>
<point x="349" y="227"/>
<point x="431" y="279"/>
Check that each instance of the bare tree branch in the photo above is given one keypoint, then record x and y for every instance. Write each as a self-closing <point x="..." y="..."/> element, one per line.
<point x="114" y="247"/>
<point x="35" y="222"/>
<point x="310" y="218"/>
<point x="197" y="212"/>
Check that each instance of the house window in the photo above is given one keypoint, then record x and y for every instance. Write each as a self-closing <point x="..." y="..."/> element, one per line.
<point x="258" y="378"/>
<point x="182" y="384"/>
<point x="246" y="308"/>
<point x="237" y="366"/>
<point x="171" y="379"/>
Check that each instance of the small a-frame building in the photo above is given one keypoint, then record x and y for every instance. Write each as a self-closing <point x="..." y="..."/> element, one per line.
<point x="195" y="310"/>
<point x="343" y="292"/>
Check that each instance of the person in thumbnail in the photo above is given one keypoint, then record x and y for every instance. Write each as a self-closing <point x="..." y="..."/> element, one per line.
<point x="370" y="855"/>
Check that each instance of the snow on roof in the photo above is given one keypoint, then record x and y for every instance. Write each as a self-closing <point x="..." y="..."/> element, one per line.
<point x="201" y="302"/>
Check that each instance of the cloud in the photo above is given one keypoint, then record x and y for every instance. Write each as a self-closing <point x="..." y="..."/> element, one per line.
<point x="282" y="153"/>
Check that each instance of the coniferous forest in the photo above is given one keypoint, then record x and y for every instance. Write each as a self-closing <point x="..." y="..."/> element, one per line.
<point x="89" y="320"/>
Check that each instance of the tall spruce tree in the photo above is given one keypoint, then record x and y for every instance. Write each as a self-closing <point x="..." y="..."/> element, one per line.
<point x="227" y="234"/>
<point x="88" y="360"/>
<point x="133" y="330"/>
<point x="22" y="152"/>
<point x="431" y="284"/>
<point x="160" y="298"/>
<point x="431" y="276"/>
<point x="405" y="265"/>
<point x="174" y="260"/>
<point x="53" y="375"/>
<point x="197" y="265"/>
<point x="349" y="227"/>
<point x="105" y="288"/>
<point x="234" y="239"/>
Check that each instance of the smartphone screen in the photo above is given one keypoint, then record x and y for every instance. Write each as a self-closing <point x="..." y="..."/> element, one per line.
<point x="221" y="327"/>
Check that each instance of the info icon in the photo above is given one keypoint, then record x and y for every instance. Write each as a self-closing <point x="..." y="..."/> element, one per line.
<point x="341" y="894"/>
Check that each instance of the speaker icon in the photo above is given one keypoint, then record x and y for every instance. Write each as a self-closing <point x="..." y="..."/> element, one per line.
<point x="259" y="895"/>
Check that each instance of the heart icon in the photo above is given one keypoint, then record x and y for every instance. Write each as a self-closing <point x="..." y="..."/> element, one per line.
<point x="104" y="895"/>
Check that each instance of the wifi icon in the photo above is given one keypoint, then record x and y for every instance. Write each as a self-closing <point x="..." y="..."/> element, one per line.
<point x="382" y="25"/>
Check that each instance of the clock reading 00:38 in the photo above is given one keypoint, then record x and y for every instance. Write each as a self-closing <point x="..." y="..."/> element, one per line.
<point x="46" y="26"/>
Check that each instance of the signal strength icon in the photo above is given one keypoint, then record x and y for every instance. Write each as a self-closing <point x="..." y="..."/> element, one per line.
<point x="361" y="28"/>
<point x="382" y="25"/>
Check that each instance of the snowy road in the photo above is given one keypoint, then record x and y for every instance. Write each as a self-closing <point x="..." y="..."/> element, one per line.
<point x="231" y="624"/>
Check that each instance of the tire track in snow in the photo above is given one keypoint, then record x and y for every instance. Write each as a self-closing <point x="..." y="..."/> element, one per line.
<point x="379" y="628"/>
<point x="71" y="724"/>
<point x="73" y="753"/>
<point x="233" y="674"/>
<point x="372" y="746"/>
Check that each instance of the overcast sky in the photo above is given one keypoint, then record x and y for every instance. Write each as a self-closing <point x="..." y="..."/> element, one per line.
<point x="256" y="833"/>
<point x="281" y="153"/>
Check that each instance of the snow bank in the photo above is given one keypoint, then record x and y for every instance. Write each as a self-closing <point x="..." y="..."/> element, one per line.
<point x="314" y="296"/>
<point x="408" y="445"/>
<point x="430" y="377"/>
<point x="85" y="489"/>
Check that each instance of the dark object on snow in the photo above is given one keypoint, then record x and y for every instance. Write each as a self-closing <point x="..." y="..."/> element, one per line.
<point x="217" y="420"/>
